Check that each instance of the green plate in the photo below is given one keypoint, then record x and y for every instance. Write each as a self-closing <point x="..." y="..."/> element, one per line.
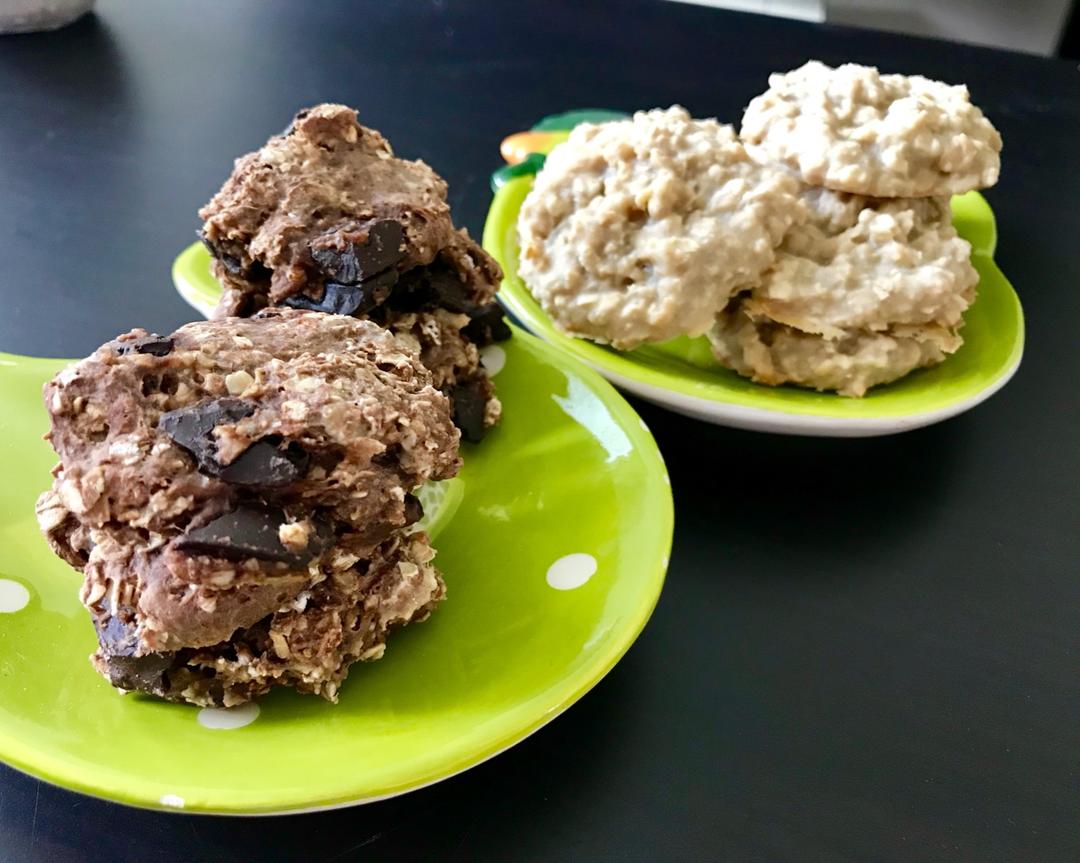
<point x="553" y="542"/>
<point x="683" y="376"/>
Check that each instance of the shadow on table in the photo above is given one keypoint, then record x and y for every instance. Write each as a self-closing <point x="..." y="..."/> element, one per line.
<point x="553" y="771"/>
<point x="802" y="499"/>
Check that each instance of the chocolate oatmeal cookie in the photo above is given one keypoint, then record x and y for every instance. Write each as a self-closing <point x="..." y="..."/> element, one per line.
<point x="307" y="643"/>
<point x="211" y="478"/>
<point x="324" y="217"/>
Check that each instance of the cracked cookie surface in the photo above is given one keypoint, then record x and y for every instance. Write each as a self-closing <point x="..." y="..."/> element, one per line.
<point x="853" y="129"/>
<point x="210" y="477"/>
<point x="325" y="217"/>
<point x="640" y="230"/>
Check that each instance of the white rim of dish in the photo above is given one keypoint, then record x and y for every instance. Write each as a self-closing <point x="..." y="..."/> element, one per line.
<point x="327" y="807"/>
<point x="784" y="422"/>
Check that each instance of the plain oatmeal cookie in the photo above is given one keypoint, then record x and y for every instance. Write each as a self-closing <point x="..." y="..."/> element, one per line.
<point x="853" y="129"/>
<point x="213" y="479"/>
<point x="774" y="354"/>
<point x="869" y="264"/>
<point x="640" y="230"/>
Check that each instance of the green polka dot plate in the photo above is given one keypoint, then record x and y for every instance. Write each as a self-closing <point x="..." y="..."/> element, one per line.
<point x="553" y="541"/>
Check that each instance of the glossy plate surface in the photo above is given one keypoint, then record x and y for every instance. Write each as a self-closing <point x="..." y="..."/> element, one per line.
<point x="553" y="542"/>
<point x="683" y="376"/>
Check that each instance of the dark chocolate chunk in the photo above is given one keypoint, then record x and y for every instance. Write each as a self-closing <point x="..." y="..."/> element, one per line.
<point x="449" y="291"/>
<point x="359" y="261"/>
<point x="246" y="532"/>
<point x="469" y="400"/>
<point x="140" y="673"/>
<point x="414" y="510"/>
<point x="265" y="465"/>
<point x="376" y="290"/>
<point x="155" y="345"/>
<point x="487" y="326"/>
<point x="193" y="427"/>
<point x="119" y="641"/>
<point x="257" y="272"/>
<point x="116" y="636"/>
<point x="434" y="287"/>
<point x="339" y="299"/>
<point x="231" y="263"/>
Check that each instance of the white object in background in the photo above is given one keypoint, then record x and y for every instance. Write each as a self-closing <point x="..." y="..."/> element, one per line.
<point x="1031" y="25"/>
<point x="26" y="16"/>
<point x="804" y="10"/>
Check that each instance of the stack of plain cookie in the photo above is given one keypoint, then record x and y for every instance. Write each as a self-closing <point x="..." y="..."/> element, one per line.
<point x="814" y="248"/>
<point x="874" y="281"/>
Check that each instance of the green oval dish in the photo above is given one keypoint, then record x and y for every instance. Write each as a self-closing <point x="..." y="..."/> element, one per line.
<point x="571" y="475"/>
<point x="683" y="376"/>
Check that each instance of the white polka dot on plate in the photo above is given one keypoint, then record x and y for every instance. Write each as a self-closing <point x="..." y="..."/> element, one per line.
<point x="493" y="358"/>
<point x="172" y="800"/>
<point x="571" y="571"/>
<point x="227" y="718"/>
<point x="13" y="596"/>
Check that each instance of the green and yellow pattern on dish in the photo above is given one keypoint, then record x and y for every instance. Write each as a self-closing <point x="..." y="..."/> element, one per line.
<point x="553" y="541"/>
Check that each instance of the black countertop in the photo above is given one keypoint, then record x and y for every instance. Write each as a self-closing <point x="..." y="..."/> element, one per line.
<point x="866" y="649"/>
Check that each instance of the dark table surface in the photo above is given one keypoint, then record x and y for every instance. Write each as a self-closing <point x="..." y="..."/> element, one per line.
<point x="866" y="649"/>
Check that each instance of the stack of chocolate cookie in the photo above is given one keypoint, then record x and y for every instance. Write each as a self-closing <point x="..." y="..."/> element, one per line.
<point x="324" y="217"/>
<point x="239" y="497"/>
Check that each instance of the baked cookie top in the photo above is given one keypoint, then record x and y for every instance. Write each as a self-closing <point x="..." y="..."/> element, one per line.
<point x="292" y="408"/>
<point x="866" y="263"/>
<point x="327" y="200"/>
<point x="853" y="129"/>
<point x="640" y="230"/>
